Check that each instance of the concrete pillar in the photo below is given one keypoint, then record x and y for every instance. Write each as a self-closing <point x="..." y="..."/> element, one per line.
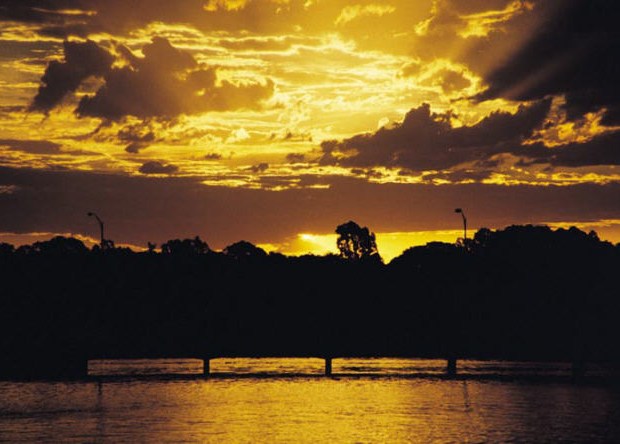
<point x="328" y="366"/>
<point x="451" y="366"/>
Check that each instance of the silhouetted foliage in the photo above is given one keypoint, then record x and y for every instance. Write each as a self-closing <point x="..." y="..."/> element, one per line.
<point x="57" y="246"/>
<point x="244" y="250"/>
<point x="6" y="249"/>
<point x="356" y="243"/>
<point x="524" y="292"/>
<point x="185" y="247"/>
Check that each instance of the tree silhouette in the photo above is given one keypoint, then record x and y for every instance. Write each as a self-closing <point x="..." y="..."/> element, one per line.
<point x="244" y="249"/>
<point x="356" y="243"/>
<point x="58" y="245"/>
<point x="185" y="247"/>
<point x="6" y="249"/>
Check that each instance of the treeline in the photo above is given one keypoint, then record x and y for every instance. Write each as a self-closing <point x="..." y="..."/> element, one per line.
<point x="524" y="292"/>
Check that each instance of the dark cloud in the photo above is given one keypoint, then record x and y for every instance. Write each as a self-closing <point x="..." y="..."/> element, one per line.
<point x="260" y="168"/>
<point x="41" y="11"/>
<point x="451" y="81"/>
<point x="160" y="52"/>
<point x="295" y="157"/>
<point x="477" y="6"/>
<point x="82" y="60"/>
<point x="138" y="136"/>
<point x="273" y="182"/>
<point x="136" y="133"/>
<point x="63" y="18"/>
<point x="150" y="88"/>
<point x="136" y="147"/>
<point x="42" y="147"/>
<point x="8" y="110"/>
<point x="298" y="136"/>
<point x="458" y="176"/>
<point x="428" y="141"/>
<point x="31" y="146"/>
<point x="155" y="167"/>
<point x="575" y="52"/>
<point x="165" y="83"/>
<point x="602" y="150"/>
<point x="369" y="173"/>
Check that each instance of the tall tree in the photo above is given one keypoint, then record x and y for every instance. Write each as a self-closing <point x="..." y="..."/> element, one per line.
<point x="356" y="243"/>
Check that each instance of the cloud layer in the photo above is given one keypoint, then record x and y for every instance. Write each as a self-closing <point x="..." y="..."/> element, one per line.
<point x="165" y="83"/>
<point x="81" y="61"/>
<point x="573" y="53"/>
<point x="428" y="141"/>
<point x="267" y="118"/>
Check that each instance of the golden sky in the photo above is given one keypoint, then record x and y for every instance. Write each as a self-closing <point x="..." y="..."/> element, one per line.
<point x="274" y="121"/>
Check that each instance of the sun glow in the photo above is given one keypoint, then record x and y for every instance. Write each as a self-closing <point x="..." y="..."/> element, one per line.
<point x="390" y="244"/>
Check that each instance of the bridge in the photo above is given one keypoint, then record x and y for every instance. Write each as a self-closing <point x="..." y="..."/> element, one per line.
<point x="68" y="367"/>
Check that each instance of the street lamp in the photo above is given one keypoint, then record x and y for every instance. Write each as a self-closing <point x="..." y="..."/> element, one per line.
<point x="459" y="210"/>
<point x="451" y="367"/>
<point x="91" y="214"/>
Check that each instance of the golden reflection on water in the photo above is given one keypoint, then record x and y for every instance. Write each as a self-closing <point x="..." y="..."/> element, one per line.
<point x="311" y="409"/>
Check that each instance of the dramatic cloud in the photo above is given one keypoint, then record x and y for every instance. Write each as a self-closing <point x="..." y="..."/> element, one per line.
<point x="269" y="118"/>
<point x="154" y="167"/>
<point x="295" y="157"/>
<point x="63" y="18"/>
<point x="165" y="83"/>
<point x="82" y="60"/>
<point x="31" y="146"/>
<point x="428" y="141"/>
<point x="260" y="168"/>
<point x="58" y="17"/>
<point x="602" y="150"/>
<point x="573" y="53"/>
<point x="138" y="136"/>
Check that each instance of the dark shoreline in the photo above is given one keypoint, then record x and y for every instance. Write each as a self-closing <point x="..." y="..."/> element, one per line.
<point x="522" y="294"/>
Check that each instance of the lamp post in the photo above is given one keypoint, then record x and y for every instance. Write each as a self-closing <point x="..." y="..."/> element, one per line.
<point x="91" y="214"/>
<point x="460" y="210"/>
<point x="451" y="368"/>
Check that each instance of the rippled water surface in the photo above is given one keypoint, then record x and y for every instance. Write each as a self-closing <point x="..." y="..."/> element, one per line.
<point x="295" y="404"/>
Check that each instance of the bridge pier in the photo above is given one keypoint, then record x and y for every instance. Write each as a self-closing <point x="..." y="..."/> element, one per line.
<point x="328" y="366"/>
<point x="206" y="366"/>
<point x="451" y="368"/>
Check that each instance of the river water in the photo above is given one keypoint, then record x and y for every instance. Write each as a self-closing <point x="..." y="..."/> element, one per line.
<point x="288" y="401"/>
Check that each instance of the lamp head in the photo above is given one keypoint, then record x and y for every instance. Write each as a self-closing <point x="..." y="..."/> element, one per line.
<point x="458" y="210"/>
<point x="89" y="214"/>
